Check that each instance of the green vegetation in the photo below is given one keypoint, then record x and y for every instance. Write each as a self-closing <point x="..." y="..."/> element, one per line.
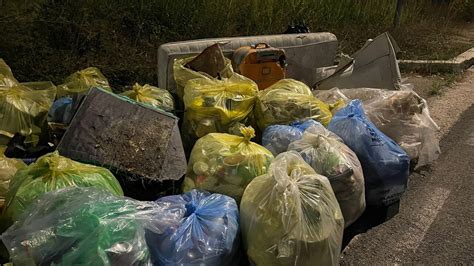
<point x="50" y="39"/>
<point x="446" y="81"/>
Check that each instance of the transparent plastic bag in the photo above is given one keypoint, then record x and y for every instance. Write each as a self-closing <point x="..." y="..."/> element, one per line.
<point x="8" y="168"/>
<point x="330" y="157"/>
<point x="208" y="233"/>
<point x="225" y="164"/>
<point x="215" y="105"/>
<point x="7" y="80"/>
<point x="276" y="138"/>
<point x="51" y="172"/>
<point x="289" y="100"/>
<point x="182" y="74"/>
<point x="86" y="226"/>
<point x="81" y="81"/>
<point x="384" y="163"/>
<point x="290" y="216"/>
<point x="24" y="110"/>
<point x="401" y="115"/>
<point x="151" y="95"/>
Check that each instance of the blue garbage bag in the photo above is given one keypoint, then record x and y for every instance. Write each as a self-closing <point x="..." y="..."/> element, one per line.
<point x="384" y="163"/>
<point x="207" y="235"/>
<point x="61" y="110"/>
<point x="276" y="138"/>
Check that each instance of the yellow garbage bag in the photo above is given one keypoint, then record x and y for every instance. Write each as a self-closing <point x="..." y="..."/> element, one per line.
<point x="7" y="79"/>
<point x="81" y="81"/>
<point x="290" y="216"/>
<point x="215" y="105"/>
<point x="151" y="95"/>
<point x="52" y="172"/>
<point x="225" y="164"/>
<point x="24" y="110"/>
<point x="183" y="74"/>
<point x="8" y="168"/>
<point x="287" y="101"/>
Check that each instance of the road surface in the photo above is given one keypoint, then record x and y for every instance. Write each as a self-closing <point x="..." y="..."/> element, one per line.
<point x="435" y="224"/>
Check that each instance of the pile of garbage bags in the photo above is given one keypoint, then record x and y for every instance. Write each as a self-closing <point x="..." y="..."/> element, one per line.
<point x="225" y="163"/>
<point x="402" y="115"/>
<point x="290" y="216"/>
<point x="275" y="174"/>
<point x="74" y="226"/>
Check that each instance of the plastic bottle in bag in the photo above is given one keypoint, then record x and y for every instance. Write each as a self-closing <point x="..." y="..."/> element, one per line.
<point x="207" y="234"/>
<point x="225" y="164"/>
<point x="330" y="157"/>
<point x="290" y="216"/>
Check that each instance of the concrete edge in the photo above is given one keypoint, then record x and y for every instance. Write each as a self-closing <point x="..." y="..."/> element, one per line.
<point x="455" y="65"/>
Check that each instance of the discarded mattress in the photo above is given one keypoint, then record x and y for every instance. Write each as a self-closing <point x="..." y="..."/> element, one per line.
<point x="304" y="52"/>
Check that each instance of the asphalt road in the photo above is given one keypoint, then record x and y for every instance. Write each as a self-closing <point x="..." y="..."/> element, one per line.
<point x="435" y="224"/>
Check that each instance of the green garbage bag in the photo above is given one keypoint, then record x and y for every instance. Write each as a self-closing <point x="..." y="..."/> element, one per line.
<point x="86" y="226"/>
<point x="25" y="110"/>
<point x="183" y="74"/>
<point x="50" y="172"/>
<point x="7" y="80"/>
<point x="289" y="100"/>
<point x="151" y="95"/>
<point x="81" y="81"/>
<point x="8" y="168"/>
<point x="290" y="216"/>
<point x="225" y="164"/>
<point x="216" y="105"/>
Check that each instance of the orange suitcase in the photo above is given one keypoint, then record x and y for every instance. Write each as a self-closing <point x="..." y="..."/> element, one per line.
<point x="263" y="64"/>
